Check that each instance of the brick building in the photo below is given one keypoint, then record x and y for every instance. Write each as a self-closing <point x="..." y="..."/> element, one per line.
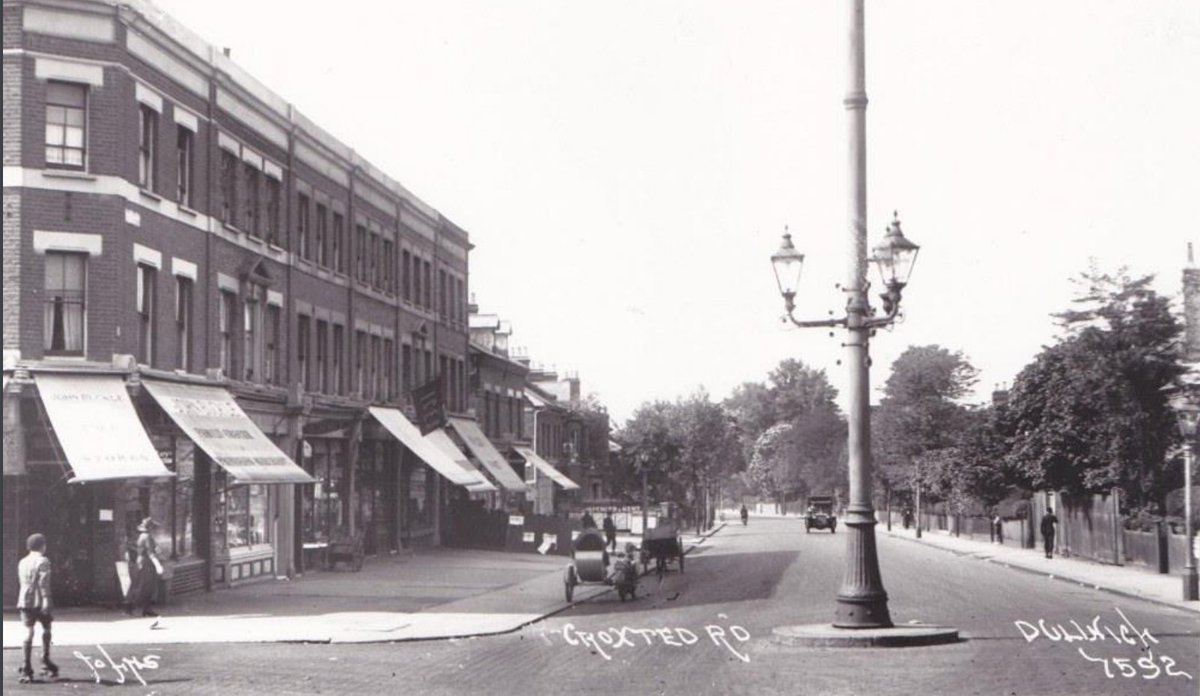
<point x="263" y="297"/>
<point x="498" y="388"/>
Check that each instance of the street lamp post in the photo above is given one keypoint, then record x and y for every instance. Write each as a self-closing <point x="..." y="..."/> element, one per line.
<point x="644" y="461"/>
<point x="1188" y="412"/>
<point x="861" y="600"/>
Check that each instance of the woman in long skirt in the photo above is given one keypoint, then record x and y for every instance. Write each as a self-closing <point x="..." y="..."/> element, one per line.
<point x="144" y="574"/>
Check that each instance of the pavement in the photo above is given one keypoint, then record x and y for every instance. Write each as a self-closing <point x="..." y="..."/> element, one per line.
<point x="424" y="595"/>
<point x="1120" y="580"/>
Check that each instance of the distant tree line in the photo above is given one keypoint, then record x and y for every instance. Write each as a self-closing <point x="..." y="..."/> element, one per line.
<point x="1088" y="414"/>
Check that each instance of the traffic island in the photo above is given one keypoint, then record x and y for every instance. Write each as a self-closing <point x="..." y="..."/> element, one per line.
<point x="828" y="636"/>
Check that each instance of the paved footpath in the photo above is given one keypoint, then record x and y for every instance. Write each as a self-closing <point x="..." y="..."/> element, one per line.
<point x="1121" y="580"/>
<point x="426" y="595"/>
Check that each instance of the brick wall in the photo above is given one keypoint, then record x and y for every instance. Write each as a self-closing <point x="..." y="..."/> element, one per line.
<point x="12" y="268"/>
<point x="13" y="88"/>
<point x="112" y="151"/>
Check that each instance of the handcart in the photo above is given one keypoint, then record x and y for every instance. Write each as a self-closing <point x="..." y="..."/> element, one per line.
<point x="590" y="563"/>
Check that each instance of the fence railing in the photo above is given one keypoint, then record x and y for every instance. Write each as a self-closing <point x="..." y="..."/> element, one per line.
<point x="1088" y="527"/>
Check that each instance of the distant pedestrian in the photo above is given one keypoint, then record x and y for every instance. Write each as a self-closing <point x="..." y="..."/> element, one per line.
<point x="745" y="514"/>
<point x="33" y="600"/>
<point x="610" y="530"/>
<point x="587" y="520"/>
<point x="144" y="585"/>
<point x="998" y="528"/>
<point x="908" y="517"/>
<point x="1048" y="522"/>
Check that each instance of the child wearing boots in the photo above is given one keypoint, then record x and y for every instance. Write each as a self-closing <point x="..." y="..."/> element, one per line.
<point x="34" y="602"/>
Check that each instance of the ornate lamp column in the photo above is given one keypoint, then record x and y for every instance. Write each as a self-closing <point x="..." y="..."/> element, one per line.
<point x="861" y="600"/>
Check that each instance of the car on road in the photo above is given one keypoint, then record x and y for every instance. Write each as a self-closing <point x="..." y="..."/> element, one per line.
<point x="820" y="514"/>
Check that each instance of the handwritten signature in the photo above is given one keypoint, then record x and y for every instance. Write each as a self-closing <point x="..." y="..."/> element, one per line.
<point x="127" y="666"/>
<point x="1127" y="633"/>
<point x="611" y="639"/>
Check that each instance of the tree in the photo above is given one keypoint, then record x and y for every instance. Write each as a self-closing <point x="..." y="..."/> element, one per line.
<point x="1090" y="412"/>
<point x="920" y="414"/>
<point x="772" y="466"/>
<point x="710" y="449"/>
<point x="797" y="389"/>
<point x="647" y="441"/>
<point x="983" y="468"/>
<point x="802" y="398"/>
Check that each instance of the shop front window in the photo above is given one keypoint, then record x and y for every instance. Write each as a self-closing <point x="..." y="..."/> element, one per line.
<point x="418" y="498"/>
<point x="323" y="501"/>
<point x="367" y="487"/>
<point x="239" y="513"/>
<point x="169" y="502"/>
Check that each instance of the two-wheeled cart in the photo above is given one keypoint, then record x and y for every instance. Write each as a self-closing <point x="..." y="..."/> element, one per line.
<point x="590" y="563"/>
<point x="662" y="545"/>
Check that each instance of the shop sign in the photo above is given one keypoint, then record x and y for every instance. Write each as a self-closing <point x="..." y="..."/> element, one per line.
<point x="430" y="405"/>
<point x="516" y="520"/>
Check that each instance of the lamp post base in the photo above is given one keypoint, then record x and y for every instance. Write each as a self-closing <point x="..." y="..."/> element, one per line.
<point x="861" y="600"/>
<point x="1191" y="590"/>
<point x="827" y="636"/>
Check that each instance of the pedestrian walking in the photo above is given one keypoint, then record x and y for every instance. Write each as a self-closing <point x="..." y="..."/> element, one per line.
<point x="148" y="568"/>
<point x="907" y="515"/>
<point x="610" y="530"/>
<point x="1048" y="522"/>
<point x="745" y="514"/>
<point x="998" y="528"/>
<point x="33" y="600"/>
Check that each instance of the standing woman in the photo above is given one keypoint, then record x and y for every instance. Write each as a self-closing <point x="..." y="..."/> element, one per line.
<point x="146" y="572"/>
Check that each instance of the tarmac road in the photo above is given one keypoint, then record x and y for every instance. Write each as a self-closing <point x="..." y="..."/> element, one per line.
<point x="707" y="631"/>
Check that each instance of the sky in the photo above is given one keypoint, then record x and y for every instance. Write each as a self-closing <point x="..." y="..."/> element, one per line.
<point x="625" y="169"/>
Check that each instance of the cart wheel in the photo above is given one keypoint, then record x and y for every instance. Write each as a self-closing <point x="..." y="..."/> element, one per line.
<point x="569" y="581"/>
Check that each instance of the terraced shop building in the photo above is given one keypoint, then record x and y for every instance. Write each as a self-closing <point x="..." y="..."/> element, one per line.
<point x="214" y="313"/>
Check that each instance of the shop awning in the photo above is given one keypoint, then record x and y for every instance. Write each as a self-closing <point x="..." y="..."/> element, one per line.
<point x="100" y="433"/>
<point x="546" y="468"/>
<point x="404" y="431"/>
<point x="215" y="422"/>
<point x="441" y="440"/>
<point x="487" y="454"/>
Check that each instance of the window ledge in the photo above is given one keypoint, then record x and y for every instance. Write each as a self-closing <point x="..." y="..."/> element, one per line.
<point x="150" y="194"/>
<point x="230" y="228"/>
<point x="188" y="211"/>
<point x="68" y="174"/>
<point x="275" y="247"/>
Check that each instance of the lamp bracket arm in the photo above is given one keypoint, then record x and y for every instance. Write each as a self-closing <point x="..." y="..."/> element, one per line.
<point x="885" y="320"/>
<point x="816" y="323"/>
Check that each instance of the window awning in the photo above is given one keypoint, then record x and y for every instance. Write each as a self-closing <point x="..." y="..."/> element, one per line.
<point x="487" y="454"/>
<point x="546" y="468"/>
<point x="215" y="422"/>
<point x="100" y="433"/>
<point x="404" y="431"/>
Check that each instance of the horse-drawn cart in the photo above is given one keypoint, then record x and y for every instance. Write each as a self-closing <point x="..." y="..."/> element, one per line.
<point x="662" y="544"/>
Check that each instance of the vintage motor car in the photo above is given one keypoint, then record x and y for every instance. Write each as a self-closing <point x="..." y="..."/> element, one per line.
<point x="820" y="514"/>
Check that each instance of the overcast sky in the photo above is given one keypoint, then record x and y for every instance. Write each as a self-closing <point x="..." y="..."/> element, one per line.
<point x="625" y="169"/>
